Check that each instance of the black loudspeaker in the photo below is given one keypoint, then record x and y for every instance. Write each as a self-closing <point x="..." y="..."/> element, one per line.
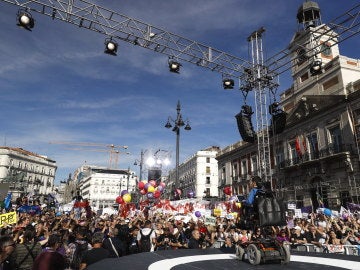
<point x="278" y="123"/>
<point x="154" y="174"/>
<point x="245" y="127"/>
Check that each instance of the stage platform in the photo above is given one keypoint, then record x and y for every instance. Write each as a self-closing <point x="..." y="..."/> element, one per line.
<point x="214" y="259"/>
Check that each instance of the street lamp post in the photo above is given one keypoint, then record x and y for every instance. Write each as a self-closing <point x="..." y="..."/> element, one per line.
<point x="141" y="162"/>
<point x="178" y="123"/>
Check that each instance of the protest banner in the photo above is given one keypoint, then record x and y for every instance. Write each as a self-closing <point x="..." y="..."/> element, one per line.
<point x="8" y="218"/>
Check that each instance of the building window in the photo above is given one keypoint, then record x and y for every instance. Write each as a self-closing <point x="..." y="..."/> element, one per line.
<point x="293" y="153"/>
<point x="254" y="165"/>
<point x="304" y="77"/>
<point x="208" y="171"/>
<point x="313" y="145"/>
<point x="280" y="157"/>
<point x="330" y="83"/>
<point x="244" y="171"/>
<point x="335" y="140"/>
<point x="208" y="180"/>
<point x="207" y="160"/>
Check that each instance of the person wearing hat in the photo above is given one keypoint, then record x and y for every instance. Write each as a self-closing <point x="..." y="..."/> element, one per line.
<point x="297" y="237"/>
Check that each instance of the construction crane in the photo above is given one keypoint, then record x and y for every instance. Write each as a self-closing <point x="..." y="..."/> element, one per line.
<point x="113" y="150"/>
<point x="117" y="26"/>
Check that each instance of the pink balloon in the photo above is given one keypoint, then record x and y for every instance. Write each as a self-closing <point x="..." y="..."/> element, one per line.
<point x="162" y="184"/>
<point x="153" y="183"/>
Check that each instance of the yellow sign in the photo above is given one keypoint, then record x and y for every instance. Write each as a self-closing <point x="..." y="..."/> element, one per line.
<point x="8" y="218"/>
<point x="217" y="212"/>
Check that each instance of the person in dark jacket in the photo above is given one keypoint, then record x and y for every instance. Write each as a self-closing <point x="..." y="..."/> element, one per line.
<point x="7" y="247"/>
<point x="26" y="252"/>
<point x="194" y="242"/>
<point x="113" y="244"/>
<point x="97" y="253"/>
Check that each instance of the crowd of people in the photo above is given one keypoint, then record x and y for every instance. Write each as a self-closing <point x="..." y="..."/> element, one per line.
<point x="54" y="240"/>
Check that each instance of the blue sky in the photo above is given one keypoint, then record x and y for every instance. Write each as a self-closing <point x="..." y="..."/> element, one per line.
<point x="56" y="84"/>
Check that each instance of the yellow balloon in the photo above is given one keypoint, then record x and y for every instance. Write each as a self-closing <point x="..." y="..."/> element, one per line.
<point x="150" y="189"/>
<point x="127" y="197"/>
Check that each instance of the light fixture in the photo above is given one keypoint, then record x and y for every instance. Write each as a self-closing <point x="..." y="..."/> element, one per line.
<point x="174" y="66"/>
<point x="168" y="124"/>
<point x="187" y="127"/>
<point x="228" y="83"/>
<point x="25" y="20"/>
<point x="110" y="47"/>
<point x="315" y="67"/>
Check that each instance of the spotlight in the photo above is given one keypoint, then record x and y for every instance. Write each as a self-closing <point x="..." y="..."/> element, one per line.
<point x="315" y="68"/>
<point x="25" y="20"/>
<point x="174" y="66"/>
<point x="110" y="47"/>
<point x="228" y="83"/>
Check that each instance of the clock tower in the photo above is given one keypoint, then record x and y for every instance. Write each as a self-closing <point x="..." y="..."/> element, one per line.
<point x="312" y="48"/>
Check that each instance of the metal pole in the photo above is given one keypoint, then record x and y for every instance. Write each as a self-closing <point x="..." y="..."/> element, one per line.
<point x="177" y="157"/>
<point x="141" y="163"/>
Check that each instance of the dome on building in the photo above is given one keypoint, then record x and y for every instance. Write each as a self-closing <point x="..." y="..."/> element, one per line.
<point x="309" y="13"/>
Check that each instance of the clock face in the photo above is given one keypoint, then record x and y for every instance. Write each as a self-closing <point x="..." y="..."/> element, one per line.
<point x="301" y="56"/>
<point x="326" y="49"/>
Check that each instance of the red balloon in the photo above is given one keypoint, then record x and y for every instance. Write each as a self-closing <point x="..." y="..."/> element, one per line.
<point x="143" y="192"/>
<point x="119" y="200"/>
<point x="227" y="190"/>
<point x="141" y="185"/>
<point x="157" y="194"/>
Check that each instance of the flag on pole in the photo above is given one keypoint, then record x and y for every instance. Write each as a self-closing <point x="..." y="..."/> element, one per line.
<point x="7" y="201"/>
<point x="300" y="145"/>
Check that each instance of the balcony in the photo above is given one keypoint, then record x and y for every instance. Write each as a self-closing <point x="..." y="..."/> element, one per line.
<point x="324" y="154"/>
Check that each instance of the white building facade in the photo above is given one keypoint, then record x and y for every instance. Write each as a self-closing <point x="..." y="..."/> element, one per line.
<point x="26" y="172"/>
<point x="198" y="174"/>
<point x="101" y="185"/>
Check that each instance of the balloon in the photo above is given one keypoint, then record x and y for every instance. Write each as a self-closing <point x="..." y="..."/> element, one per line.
<point x="143" y="192"/>
<point x="153" y="183"/>
<point x="160" y="188"/>
<point x="178" y="191"/>
<point x="197" y="214"/>
<point x="227" y="190"/>
<point x="124" y="192"/>
<point x="147" y="185"/>
<point x="141" y="185"/>
<point x="150" y="189"/>
<point x="327" y="212"/>
<point x="190" y="194"/>
<point x="162" y="184"/>
<point x="127" y="197"/>
<point x="157" y="194"/>
<point x="119" y="200"/>
<point x="150" y="195"/>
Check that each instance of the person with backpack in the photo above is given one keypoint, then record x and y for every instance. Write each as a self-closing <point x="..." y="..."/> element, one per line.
<point x="26" y="252"/>
<point x="146" y="238"/>
<point x="77" y="249"/>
